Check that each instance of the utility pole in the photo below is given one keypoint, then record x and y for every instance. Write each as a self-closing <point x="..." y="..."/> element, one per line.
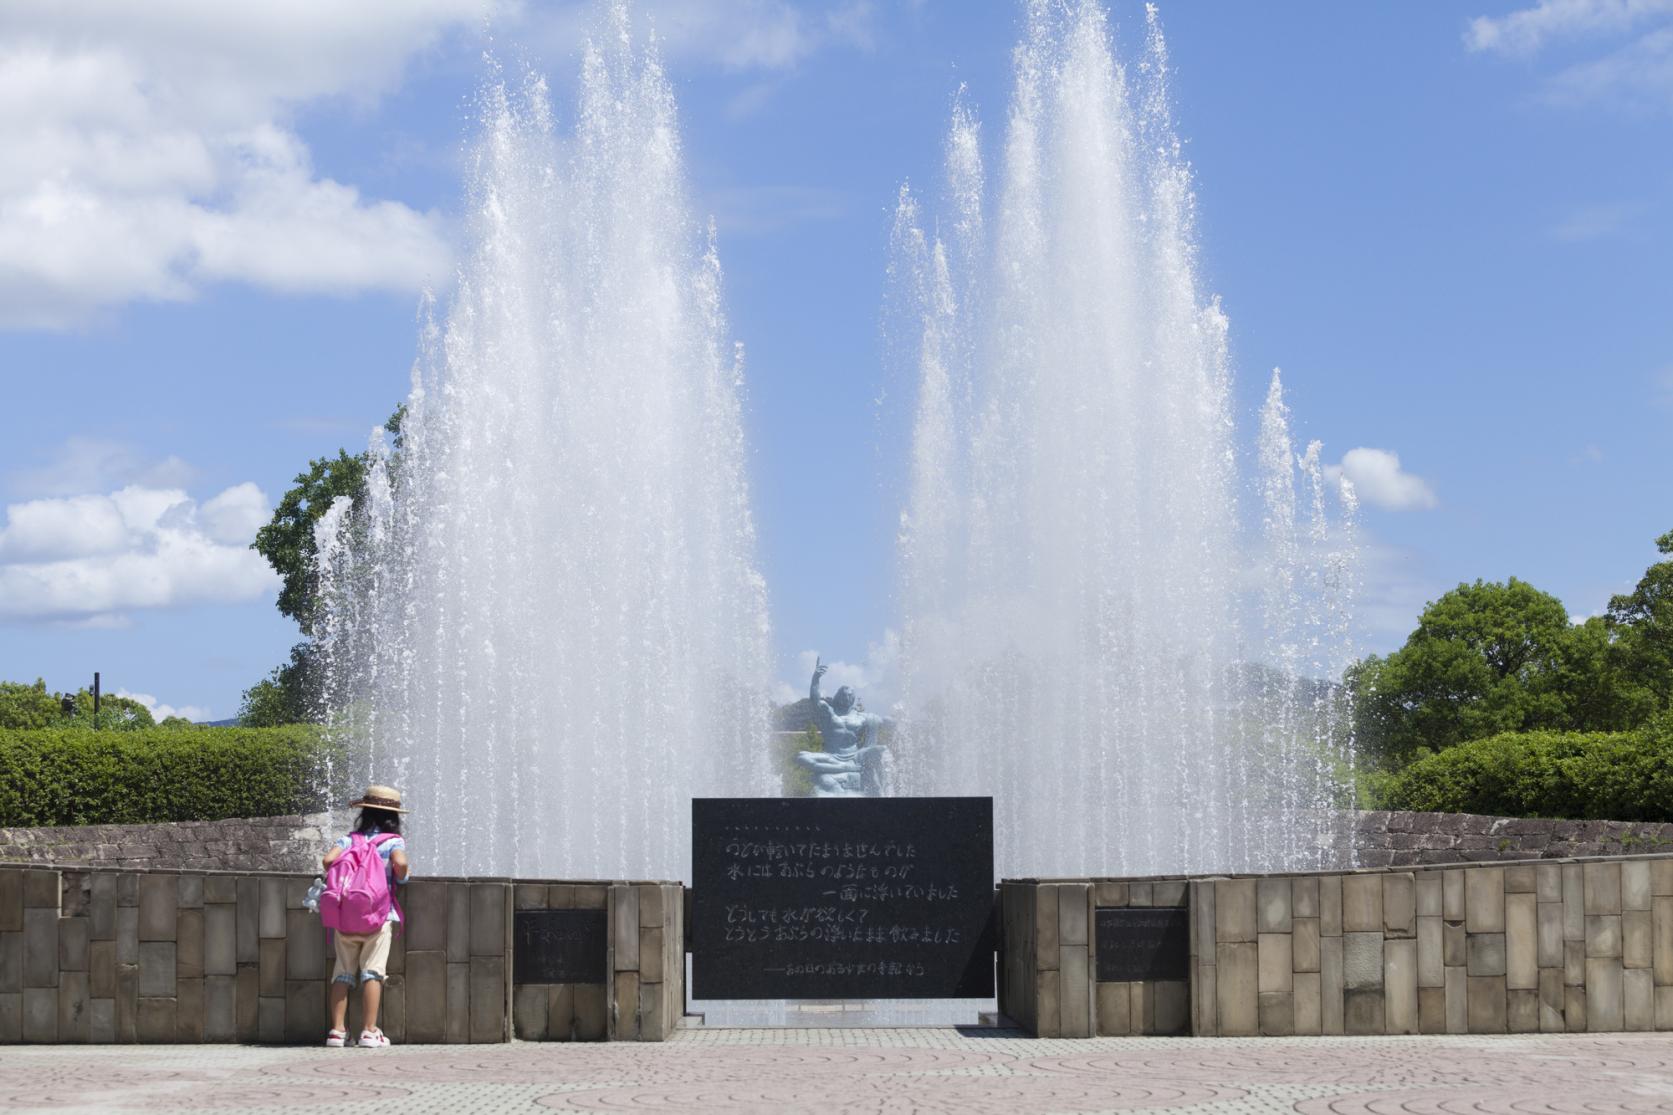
<point x="95" y="700"/>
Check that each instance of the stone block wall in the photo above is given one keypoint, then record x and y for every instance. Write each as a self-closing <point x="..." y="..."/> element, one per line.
<point x="643" y="997"/>
<point x="457" y="960"/>
<point x="1045" y="927"/>
<point x="289" y="843"/>
<point x="90" y="955"/>
<point x="1141" y="1007"/>
<point x="1372" y="839"/>
<point x="1522" y="948"/>
<point x="1405" y="839"/>
<point x="1049" y="960"/>
<point x="561" y="1011"/>
<point x="1563" y="945"/>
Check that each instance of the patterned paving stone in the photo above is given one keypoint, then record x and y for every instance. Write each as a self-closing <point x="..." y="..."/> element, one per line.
<point x="929" y="1071"/>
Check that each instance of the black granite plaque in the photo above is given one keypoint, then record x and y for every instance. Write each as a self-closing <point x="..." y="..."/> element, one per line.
<point x="559" y="946"/>
<point x="1143" y="944"/>
<point x="842" y="898"/>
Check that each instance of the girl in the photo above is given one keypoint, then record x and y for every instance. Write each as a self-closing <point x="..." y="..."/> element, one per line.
<point x="364" y="957"/>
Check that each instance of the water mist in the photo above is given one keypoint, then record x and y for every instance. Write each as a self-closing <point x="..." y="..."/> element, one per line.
<point x="543" y="620"/>
<point x="1091" y="633"/>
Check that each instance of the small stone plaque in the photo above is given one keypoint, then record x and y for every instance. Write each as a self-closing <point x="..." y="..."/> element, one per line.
<point x="560" y="946"/>
<point x="1143" y="944"/>
<point x="842" y="898"/>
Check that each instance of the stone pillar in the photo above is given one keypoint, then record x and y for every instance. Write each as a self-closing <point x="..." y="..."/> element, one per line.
<point x="1205" y="1012"/>
<point x="1049" y="965"/>
<point x="647" y="960"/>
<point x="1236" y="958"/>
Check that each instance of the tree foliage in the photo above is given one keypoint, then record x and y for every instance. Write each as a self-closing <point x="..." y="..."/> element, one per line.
<point x="1619" y="776"/>
<point x="1489" y="657"/>
<point x="1645" y="616"/>
<point x="1474" y="666"/>
<point x="287" y="542"/>
<point x="288" y="694"/>
<point x="76" y="776"/>
<point x="32" y="706"/>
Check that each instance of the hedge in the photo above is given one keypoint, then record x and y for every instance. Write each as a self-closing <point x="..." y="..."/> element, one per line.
<point x="76" y="776"/>
<point x="1613" y="776"/>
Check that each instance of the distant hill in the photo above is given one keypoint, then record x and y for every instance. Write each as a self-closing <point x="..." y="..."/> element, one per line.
<point x="797" y="716"/>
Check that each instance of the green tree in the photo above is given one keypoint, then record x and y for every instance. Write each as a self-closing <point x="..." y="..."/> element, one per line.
<point x="115" y="713"/>
<point x="287" y="695"/>
<point x="287" y="542"/>
<point x="1644" y="620"/>
<point x="32" y="707"/>
<point x="28" y="706"/>
<point x="1601" y="686"/>
<point x="1480" y="662"/>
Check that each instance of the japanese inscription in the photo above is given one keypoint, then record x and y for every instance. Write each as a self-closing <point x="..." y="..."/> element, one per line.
<point x="1142" y="944"/>
<point x="858" y="898"/>
<point x="560" y="946"/>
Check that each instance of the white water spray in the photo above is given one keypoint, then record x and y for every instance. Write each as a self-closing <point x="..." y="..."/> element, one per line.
<point x="1074" y="571"/>
<point x="544" y="620"/>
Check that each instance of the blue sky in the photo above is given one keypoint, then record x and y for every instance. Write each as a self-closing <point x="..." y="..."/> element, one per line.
<point x="1448" y="223"/>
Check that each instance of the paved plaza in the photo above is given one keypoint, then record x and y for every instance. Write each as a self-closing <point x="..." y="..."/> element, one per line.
<point x="875" y="1072"/>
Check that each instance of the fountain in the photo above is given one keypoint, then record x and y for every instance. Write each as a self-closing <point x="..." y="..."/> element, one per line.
<point x="1090" y="633"/>
<point x="543" y="620"/>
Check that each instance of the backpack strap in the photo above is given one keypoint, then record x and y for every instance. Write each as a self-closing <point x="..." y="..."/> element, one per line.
<point x="400" y="915"/>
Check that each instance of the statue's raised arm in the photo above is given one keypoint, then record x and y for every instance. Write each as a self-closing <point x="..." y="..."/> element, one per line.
<point x="823" y="716"/>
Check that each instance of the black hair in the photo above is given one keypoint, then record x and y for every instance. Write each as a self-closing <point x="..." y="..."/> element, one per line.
<point x="384" y="820"/>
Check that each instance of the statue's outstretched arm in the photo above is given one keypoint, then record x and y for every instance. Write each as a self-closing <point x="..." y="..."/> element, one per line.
<point x="819" y="669"/>
<point x="821" y="711"/>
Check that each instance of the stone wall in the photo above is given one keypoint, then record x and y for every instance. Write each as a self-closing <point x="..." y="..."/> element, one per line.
<point x="1049" y="960"/>
<point x="94" y="955"/>
<point x="1404" y="839"/>
<point x="644" y="997"/>
<point x="1575" y="945"/>
<point x="1381" y="839"/>
<point x="292" y="843"/>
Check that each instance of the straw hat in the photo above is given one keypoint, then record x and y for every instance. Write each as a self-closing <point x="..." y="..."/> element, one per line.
<point x="379" y="797"/>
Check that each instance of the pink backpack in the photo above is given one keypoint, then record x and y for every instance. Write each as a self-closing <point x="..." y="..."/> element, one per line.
<point x="356" y="898"/>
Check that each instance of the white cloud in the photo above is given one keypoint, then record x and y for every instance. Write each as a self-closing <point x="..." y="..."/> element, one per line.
<point x="759" y="210"/>
<point x="751" y="100"/>
<point x="79" y="526"/>
<point x="1638" y="75"/>
<point x="234" y="516"/>
<point x="1635" y="69"/>
<point x="1379" y="480"/>
<point x="1594" y="222"/>
<point x="1393" y="591"/>
<point x="149" y="150"/>
<point x="160" y="712"/>
<point x="89" y="559"/>
<point x="873" y="680"/>
<point x="1529" y="30"/>
<point x="734" y="34"/>
<point x="1662" y="386"/>
<point x="84" y="464"/>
